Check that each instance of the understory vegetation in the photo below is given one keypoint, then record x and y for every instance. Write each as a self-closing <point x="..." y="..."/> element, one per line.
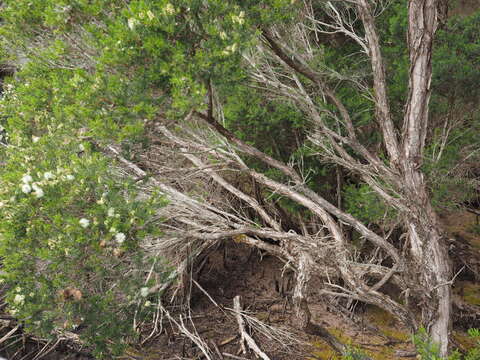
<point x="138" y="139"/>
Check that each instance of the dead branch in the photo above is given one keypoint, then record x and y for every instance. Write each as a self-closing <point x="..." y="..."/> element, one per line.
<point x="245" y="337"/>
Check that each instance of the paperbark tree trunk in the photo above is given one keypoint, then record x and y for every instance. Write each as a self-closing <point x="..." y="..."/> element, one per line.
<point x="429" y="256"/>
<point x="427" y="246"/>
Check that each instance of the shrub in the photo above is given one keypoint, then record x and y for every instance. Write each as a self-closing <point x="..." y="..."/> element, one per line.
<point x="70" y="241"/>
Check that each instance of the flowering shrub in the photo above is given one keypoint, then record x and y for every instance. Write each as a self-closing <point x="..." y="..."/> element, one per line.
<point x="72" y="224"/>
<point x="70" y="232"/>
<point x="92" y="73"/>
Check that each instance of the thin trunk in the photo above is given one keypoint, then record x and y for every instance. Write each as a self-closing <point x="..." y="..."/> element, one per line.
<point x="430" y="255"/>
<point x="427" y="247"/>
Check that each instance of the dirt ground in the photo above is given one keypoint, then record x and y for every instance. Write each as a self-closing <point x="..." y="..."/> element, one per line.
<point x="234" y="269"/>
<point x="265" y="286"/>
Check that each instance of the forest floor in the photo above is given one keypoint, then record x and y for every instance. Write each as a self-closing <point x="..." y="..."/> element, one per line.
<point x="265" y="286"/>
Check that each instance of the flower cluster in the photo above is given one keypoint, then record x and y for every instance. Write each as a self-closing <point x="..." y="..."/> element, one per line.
<point x="168" y="9"/>
<point x="230" y="49"/>
<point x="49" y="178"/>
<point x="28" y="185"/>
<point x="18" y="300"/>
<point x="239" y="19"/>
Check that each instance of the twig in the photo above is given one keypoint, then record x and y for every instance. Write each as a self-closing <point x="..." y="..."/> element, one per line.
<point x="234" y="356"/>
<point x="245" y="337"/>
<point x="10" y="333"/>
<point x="228" y="340"/>
<point x="217" y="350"/>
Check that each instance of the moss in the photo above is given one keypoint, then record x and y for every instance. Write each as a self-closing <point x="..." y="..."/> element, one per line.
<point x="465" y="341"/>
<point x="262" y="316"/>
<point x="383" y="353"/>
<point x="387" y="324"/>
<point x="324" y="351"/>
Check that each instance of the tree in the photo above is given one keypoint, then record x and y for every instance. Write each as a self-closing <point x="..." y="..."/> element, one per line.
<point x="173" y="70"/>
<point x="394" y="172"/>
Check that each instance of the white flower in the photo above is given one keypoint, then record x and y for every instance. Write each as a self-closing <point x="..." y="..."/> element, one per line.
<point x="26" y="179"/>
<point x="120" y="238"/>
<point x="84" y="222"/>
<point x="111" y="212"/>
<point x="38" y="191"/>
<point x="70" y="177"/>
<point x="19" y="299"/>
<point x="240" y="19"/>
<point x="147" y="303"/>
<point x="81" y="147"/>
<point x="230" y="49"/>
<point x="26" y="188"/>
<point x="48" y="175"/>
<point x="144" y="291"/>
<point x="131" y="23"/>
<point x="169" y="9"/>
<point x="35" y="139"/>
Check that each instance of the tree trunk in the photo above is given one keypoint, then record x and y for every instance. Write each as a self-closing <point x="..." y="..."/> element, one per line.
<point x="431" y="262"/>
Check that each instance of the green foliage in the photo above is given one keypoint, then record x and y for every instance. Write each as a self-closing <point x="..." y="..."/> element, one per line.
<point x="98" y="71"/>
<point x="456" y="61"/>
<point x="365" y="204"/>
<point x="250" y="117"/>
<point x="71" y="229"/>
<point x="456" y="71"/>
<point x="429" y="351"/>
<point x="174" y="46"/>
<point x="425" y="348"/>
<point x="475" y="229"/>
<point x="447" y="169"/>
<point x="354" y="353"/>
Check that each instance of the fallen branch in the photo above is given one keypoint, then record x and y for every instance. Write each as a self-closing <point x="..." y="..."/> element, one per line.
<point x="234" y="356"/>
<point x="10" y="333"/>
<point x="245" y="337"/>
